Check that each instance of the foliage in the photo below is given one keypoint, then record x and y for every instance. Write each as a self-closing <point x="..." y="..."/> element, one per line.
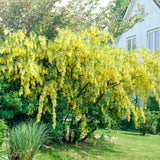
<point x="79" y="79"/>
<point x="3" y="131"/>
<point x="150" y="125"/>
<point x="118" y="24"/>
<point x="152" y="104"/>
<point x="43" y="17"/>
<point x="14" y="108"/>
<point x="158" y="120"/>
<point x="125" y="125"/>
<point x="3" y="139"/>
<point x="121" y="5"/>
<point x="152" y="110"/>
<point x="108" y="17"/>
<point x="28" y="14"/>
<point x="118" y="11"/>
<point x="26" y="139"/>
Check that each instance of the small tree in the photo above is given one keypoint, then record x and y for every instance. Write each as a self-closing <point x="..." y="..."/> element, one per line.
<point x="28" y="14"/>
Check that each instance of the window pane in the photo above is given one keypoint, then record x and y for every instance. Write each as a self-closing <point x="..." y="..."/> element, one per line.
<point x="134" y="43"/>
<point x="150" y="40"/>
<point x="157" y="40"/>
<point x="129" y="44"/>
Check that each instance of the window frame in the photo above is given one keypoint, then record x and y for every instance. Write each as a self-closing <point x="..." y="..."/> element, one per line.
<point x="131" y="38"/>
<point x="153" y="31"/>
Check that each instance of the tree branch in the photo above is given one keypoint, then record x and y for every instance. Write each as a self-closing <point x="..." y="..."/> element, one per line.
<point x="39" y="18"/>
<point x="83" y="139"/>
<point x="100" y="97"/>
<point x="82" y="89"/>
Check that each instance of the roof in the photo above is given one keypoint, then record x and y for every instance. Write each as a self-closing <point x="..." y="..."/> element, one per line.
<point x="157" y="2"/>
<point x="132" y="2"/>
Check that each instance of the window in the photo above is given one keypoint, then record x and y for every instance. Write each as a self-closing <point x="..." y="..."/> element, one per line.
<point x="157" y="40"/>
<point x="154" y="39"/>
<point x="131" y="43"/>
<point x="142" y="10"/>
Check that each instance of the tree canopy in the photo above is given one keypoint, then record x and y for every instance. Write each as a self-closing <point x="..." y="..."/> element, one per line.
<point x="43" y="17"/>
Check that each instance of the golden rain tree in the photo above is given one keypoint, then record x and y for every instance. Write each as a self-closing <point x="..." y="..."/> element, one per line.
<point x="79" y="78"/>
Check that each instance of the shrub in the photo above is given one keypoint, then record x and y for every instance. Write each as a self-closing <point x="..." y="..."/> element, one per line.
<point x="158" y="126"/>
<point x="26" y="139"/>
<point x="3" y="130"/>
<point x="15" y="109"/>
<point x="152" y="104"/>
<point x="150" y="125"/>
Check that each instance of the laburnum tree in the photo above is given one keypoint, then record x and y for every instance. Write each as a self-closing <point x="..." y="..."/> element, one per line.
<point x="79" y="79"/>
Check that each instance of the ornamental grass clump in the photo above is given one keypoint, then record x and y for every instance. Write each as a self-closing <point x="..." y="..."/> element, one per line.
<point x="26" y="139"/>
<point x="3" y="131"/>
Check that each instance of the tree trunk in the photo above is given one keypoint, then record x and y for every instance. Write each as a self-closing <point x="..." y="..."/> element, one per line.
<point x="70" y="136"/>
<point x="64" y="136"/>
<point x="76" y="137"/>
<point x="83" y="139"/>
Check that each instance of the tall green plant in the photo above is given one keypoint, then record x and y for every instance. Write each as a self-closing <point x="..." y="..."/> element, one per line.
<point x="3" y="130"/>
<point x="25" y="140"/>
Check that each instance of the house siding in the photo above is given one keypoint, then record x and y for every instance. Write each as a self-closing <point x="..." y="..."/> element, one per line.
<point x="150" y="22"/>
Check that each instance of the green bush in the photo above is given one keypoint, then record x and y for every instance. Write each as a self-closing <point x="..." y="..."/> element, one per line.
<point x="26" y="139"/>
<point x="15" y="109"/>
<point x="3" y="130"/>
<point x="152" y="104"/>
<point x="124" y="124"/>
<point x="150" y="126"/>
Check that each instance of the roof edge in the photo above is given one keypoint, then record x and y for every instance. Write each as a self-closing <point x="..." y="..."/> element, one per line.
<point x="130" y="6"/>
<point x="157" y="2"/>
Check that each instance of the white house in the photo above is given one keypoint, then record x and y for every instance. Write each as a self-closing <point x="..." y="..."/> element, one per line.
<point x="146" y="33"/>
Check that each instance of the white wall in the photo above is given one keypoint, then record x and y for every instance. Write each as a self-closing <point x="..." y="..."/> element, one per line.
<point x="140" y="30"/>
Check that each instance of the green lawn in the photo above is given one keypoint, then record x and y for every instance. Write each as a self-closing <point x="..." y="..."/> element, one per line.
<point x="128" y="145"/>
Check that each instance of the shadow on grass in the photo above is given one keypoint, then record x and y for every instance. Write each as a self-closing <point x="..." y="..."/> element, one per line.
<point x="82" y="151"/>
<point x="130" y="132"/>
<point x="128" y="145"/>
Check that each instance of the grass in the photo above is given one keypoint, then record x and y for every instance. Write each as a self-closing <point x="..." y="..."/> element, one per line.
<point x="128" y="146"/>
